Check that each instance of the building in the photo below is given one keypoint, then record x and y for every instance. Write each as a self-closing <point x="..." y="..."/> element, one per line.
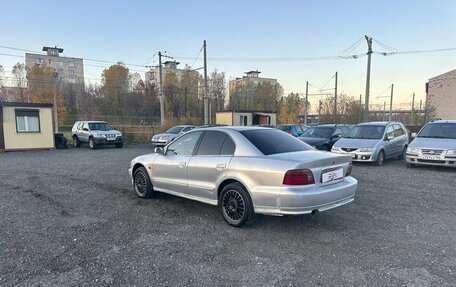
<point x="245" y="118"/>
<point x="25" y="126"/>
<point x="250" y="77"/>
<point x="441" y="94"/>
<point x="69" y="70"/>
<point x="153" y="76"/>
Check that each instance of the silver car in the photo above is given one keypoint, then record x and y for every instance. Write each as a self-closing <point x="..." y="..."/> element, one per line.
<point x="168" y="136"/>
<point x="95" y="133"/>
<point x="374" y="142"/>
<point x="246" y="170"/>
<point x="435" y="144"/>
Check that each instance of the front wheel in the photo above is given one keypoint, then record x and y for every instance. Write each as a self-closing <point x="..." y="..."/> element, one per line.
<point x="380" y="159"/>
<point x="402" y="155"/>
<point x="236" y="205"/>
<point x="325" y="148"/>
<point x="142" y="184"/>
<point x="92" y="143"/>
<point x="119" y="145"/>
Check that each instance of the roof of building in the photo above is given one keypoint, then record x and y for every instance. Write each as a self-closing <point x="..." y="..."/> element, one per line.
<point x="45" y="49"/>
<point x="25" y="105"/>
<point x="252" y="72"/>
<point x="452" y="71"/>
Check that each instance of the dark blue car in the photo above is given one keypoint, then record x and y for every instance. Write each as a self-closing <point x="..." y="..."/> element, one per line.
<point x="323" y="137"/>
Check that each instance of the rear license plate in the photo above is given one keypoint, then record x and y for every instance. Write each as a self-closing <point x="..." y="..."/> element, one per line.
<point x="432" y="157"/>
<point x="332" y="175"/>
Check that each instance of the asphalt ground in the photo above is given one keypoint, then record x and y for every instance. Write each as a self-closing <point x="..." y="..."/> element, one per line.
<point x="71" y="218"/>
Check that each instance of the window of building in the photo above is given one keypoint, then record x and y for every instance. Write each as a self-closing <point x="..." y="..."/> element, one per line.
<point x="38" y="61"/>
<point x="27" y="121"/>
<point x="71" y="72"/>
<point x="50" y="62"/>
<point x="71" y="64"/>
<point x="243" y="120"/>
<point x="72" y="81"/>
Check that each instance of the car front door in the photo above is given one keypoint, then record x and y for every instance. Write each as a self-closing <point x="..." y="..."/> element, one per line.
<point x="209" y="164"/>
<point x="389" y="141"/>
<point x="85" y="132"/>
<point x="169" y="171"/>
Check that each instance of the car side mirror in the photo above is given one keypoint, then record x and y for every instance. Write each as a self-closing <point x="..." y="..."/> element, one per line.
<point x="85" y="129"/>
<point x="159" y="150"/>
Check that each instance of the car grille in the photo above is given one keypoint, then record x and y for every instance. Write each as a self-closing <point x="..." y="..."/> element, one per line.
<point x="349" y="149"/>
<point x="111" y="136"/>
<point x="431" y="151"/>
<point x="431" y="161"/>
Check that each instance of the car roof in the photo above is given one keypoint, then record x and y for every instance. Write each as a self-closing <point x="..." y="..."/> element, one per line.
<point x="92" y="122"/>
<point x="184" y="126"/>
<point x="374" y="124"/>
<point x="443" y="122"/>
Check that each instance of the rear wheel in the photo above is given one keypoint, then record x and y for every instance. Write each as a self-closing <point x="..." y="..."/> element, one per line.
<point x="142" y="184"/>
<point x="402" y="155"/>
<point x="236" y="205"/>
<point x="92" y="143"/>
<point x="76" y="142"/>
<point x="380" y="159"/>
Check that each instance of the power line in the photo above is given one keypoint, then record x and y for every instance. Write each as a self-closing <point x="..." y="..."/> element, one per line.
<point x="197" y="56"/>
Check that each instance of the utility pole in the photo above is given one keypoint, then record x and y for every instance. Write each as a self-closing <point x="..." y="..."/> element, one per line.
<point x="391" y="103"/>
<point x="384" y="111"/>
<point x="56" y="120"/>
<point x="360" y="107"/>
<point x="335" y="101"/>
<point x="160" y="90"/>
<point x="413" y="110"/>
<point x="421" y="112"/>
<point x="320" y="104"/>
<point x="206" y="115"/>
<point x="366" y="101"/>
<point x="185" y="101"/>
<point x="306" y="106"/>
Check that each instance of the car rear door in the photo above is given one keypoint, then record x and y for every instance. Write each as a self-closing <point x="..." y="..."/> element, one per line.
<point x="169" y="171"/>
<point x="209" y="164"/>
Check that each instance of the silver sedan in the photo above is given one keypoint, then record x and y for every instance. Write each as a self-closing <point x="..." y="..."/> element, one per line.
<point x="246" y="170"/>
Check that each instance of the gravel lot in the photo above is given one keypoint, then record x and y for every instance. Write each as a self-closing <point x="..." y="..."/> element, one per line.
<point x="70" y="218"/>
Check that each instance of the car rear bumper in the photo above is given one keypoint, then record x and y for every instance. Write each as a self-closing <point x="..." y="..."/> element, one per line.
<point x="418" y="160"/>
<point x="304" y="200"/>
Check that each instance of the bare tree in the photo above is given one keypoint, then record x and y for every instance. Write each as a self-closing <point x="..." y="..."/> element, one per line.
<point x="19" y="74"/>
<point x="217" y="88"/>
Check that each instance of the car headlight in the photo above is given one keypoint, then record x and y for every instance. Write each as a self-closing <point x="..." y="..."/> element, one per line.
<point x="413" y="150"/>
<point x="451" y="152"/>
<point x="366" y="149"/>
<point x="336" y="148"/>
<point x="164" y="137"/>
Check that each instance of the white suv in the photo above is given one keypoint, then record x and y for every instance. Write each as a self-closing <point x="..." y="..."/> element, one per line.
<point x="95" y="133"/>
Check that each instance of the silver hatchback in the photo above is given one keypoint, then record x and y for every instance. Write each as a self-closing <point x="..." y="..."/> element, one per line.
<point x="435" y="144"/>
<point x="374" y="142"/>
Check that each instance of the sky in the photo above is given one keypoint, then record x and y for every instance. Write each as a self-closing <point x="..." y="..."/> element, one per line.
<point x="262" y="35"/>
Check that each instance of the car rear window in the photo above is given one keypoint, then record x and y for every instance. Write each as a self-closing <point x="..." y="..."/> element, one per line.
<point x="270" y="141"/>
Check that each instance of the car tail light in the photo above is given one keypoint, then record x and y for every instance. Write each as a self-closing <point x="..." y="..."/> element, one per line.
<point x="298" y="177"/>
<point x="290" y="133"/>
<point x="349" y="169"/>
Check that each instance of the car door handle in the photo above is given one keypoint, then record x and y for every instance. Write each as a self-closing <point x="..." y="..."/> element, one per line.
<point x="182" y="164"/>
<point x="221" y="166"/>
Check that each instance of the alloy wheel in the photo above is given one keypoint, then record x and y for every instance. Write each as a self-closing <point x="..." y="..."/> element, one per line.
<point x="233" y="205"/>
<point x="140" y="183"/>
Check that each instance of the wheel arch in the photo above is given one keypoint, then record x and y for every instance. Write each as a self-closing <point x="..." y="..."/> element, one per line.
<point x="227" y="181"/>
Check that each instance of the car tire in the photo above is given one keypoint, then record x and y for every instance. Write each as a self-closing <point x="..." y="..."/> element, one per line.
<point x="119" y="145"/>
<point x="76" y="142"/>
<point x="402" y="155"/>
<point x="92" y="143"/>
<point x="380" y="159"/>
<point x="325" y="148"/>
<point x="236" y="205"/>
<point x="142" y="184"/>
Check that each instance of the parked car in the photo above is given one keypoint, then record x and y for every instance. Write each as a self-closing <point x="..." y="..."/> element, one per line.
<point x="294" y="130"/>
<point x="95" y="133"/>
<point x="323" y="137"/>
<point x="374" y="142"/>
<point x="246" y="170"/>
<point x="435" y="144"/>
<point x="168" y="136"/>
